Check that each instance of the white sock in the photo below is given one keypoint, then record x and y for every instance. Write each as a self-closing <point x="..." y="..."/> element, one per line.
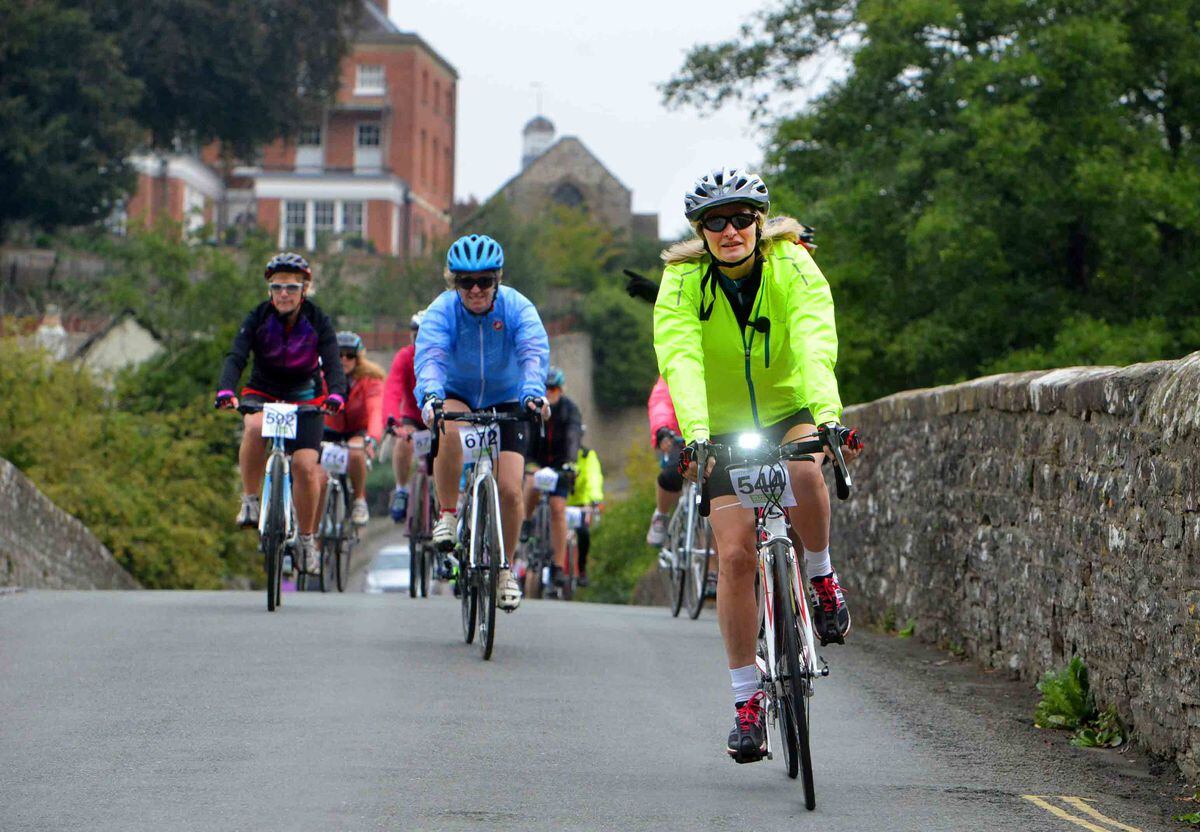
<point x="817" y="564"/>
<point x="400" y="489"/>
<point x="744" y="681"/>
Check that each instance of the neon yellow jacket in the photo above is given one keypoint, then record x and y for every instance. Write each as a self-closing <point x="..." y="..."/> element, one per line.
<point x="589" y="480"/>
<point x="723" y="379"/>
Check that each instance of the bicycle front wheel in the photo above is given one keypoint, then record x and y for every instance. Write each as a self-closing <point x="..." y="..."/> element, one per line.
<point x="274" y="533"/>
<point x="487" y="567"/>
<point x="570" y="566"/>
<point x="792" y="674"/>
<point x="697" y="570"/>
<point x="679" y="568"/>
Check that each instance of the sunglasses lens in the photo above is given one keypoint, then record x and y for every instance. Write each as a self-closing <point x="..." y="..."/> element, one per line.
<point x="476" y="282"/>
<point x="714" y="224"/>
<point x="742" y="221"/>
<point x="717" y="224"/>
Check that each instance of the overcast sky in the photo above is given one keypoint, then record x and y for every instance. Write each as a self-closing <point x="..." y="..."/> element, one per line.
<point x="598" y="65"/>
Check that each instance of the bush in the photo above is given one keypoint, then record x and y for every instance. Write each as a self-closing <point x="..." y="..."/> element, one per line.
<point x="622" y="348"/>
<point x="619" y="556"/>
<point x="157" y="488"/>
<point x="1067" y="703"/>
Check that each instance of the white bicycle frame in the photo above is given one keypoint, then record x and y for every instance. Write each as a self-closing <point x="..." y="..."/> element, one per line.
<point x="289" y="514"/>
<point x="772" y="529"/>
<point x="483" y="471"/>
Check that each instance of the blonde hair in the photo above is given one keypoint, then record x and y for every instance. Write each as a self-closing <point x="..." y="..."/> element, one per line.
<point x="770" y="231"/>
<point x="366" y="368"/>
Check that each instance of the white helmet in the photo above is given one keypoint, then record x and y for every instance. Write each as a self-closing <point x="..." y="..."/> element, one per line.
<point x="724" y="186"/>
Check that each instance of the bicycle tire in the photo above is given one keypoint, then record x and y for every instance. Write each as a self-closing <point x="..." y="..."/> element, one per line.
<point x="680" y="568"/>
<point x="487" y="568"/>
<point x="346" y="541"/>
<point x="328" y="532"/>
<point x="697" y="571"/>
<point x="795" y="701"/>
<point x="273" y="538"/>
<point x="467" y="594"/>
<point x="570" y="563"/>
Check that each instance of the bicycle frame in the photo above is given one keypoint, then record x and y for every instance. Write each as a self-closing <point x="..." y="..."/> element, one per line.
<point x="277" y="448"/>
<point x="481" y="471"/>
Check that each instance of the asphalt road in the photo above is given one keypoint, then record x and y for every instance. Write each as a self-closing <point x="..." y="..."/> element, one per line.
<point x="201" y="711"/>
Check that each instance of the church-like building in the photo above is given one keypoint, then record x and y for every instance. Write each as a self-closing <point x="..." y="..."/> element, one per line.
<point x="563" y="171"/>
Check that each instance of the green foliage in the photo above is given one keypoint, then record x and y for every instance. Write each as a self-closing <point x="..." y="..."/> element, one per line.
<point x="176" y="378"/>
<point x="1067" y="703"/>
<point x="619" y="556"/>
<point x="1192" y="818"/>
<point x="1066" y="699"/>
<point x="241" y="73"/>
<point x="622" y="348"/>
<point x="157" y="488"/>
<point x="996" y="186"/>
<point x="909" y="630"/>
<point x="65" y="117"/>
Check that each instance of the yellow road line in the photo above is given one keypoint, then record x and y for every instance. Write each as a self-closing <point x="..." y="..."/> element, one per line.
<point x="1082" y="805"/>
<point x="1063" y="813"/>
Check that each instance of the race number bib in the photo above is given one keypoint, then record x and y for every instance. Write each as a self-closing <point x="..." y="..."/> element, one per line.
<point x="335" y="458"/>
<point x="758" y="485"/>
<point x="279" y="420"/>
<point x="545" y="479"/>
<point x="479" y="442"/>
<point x="574" y="517"/>
<point x="422" y="442"/>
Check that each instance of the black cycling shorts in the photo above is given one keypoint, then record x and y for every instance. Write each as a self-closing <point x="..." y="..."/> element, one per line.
<point x="310" y="428"/>
<point x="670" y="480"/>
<point x="719" y="484"/>
<point x="332" y="435"/>
<point x="514" y="436"/>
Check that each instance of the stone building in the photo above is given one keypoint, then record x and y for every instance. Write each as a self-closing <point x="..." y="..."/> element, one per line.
<point x="565" y="172"/>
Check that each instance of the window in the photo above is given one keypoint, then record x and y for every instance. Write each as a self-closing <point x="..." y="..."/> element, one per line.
<point x="323" y="215"/>
<point x="568" y="195"/>
<point x="369" y="80"/>
<point x="424" y="158"/>
<point x="425" y="86"/>
<point x="450" y="103"/>
<point x="437" y="155"/>
<point x="295" y="221"/>
<point x="309" y="136"/>
<point x="368" y="134"/>
<point x="352" y="217"/>
<point x="437" y="97"/>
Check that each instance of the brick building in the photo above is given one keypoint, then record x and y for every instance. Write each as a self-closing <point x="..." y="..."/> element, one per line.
<point x="377" y="169"/>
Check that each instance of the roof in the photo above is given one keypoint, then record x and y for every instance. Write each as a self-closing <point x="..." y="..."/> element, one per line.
<point x="546" y="153"/>
<point x="538" y="123"/>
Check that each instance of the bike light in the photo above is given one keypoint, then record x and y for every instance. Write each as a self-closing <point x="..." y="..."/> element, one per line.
<point x="749" y="441"/>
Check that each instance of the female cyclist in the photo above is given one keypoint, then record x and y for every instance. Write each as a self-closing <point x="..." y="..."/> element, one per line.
<point x="294" y="346"/>
<point x="745" y="337"/>
<point x="360" y="424"/>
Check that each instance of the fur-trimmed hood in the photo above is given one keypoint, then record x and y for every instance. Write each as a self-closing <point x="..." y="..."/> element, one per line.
<point x="776" y="229"/>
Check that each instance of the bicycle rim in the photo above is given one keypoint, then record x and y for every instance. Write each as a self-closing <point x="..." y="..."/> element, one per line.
<point x="679" y="571"/>
<point x="487" y="570"/>
<point x="697" y="572"/>
<point x="273" y="534"/>
<point x="794" y="678"/>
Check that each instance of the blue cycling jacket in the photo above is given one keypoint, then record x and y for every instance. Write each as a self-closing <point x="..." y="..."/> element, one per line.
<point x="490" y="359"/>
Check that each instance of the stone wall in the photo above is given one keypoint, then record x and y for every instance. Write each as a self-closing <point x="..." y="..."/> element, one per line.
<point x="41" y="546"/>
<point x="1029" y="517"/>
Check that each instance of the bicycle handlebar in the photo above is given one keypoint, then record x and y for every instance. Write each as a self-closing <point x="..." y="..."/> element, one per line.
<point x="256" y="407"/>
<point x="487" y="416"/>
<point x="832" y="438"/>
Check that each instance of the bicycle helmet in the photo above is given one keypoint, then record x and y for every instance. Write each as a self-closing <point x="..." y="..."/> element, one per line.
<point x="289" y="263"/>
<point x="348" y="340"/>
<point x="723" y="186"/>
<point x="475" y="253"/>
<point x="414" y="323"/>
<point x="555" y="377"/>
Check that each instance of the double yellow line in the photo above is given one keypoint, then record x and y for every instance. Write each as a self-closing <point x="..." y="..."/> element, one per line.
<point x="1083" y="806"/>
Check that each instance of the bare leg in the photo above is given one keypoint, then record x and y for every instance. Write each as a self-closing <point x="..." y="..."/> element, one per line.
<point x="558" y="530"/>
<point x="666" y="500"/>
<point x="357" y="468"/>
<point x="510" y="473"/>
<point x="402" y="454"/>
<point x="252" y="456"/>
<point x="306" y="488"/>
<point x="737" y="605"/>
<point x="447" y="468"/>
<point x="810" y="517"/>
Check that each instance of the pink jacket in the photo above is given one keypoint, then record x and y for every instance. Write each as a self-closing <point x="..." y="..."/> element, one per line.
<point x="399" y="400"/>
<point x="661" y="409"/>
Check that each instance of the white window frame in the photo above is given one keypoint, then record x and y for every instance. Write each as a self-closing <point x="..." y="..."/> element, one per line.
<point x="310" y="220"/>
<point x="370" y="79"/>
<point x="311" y="128"/>
<point x="358" y="133"/>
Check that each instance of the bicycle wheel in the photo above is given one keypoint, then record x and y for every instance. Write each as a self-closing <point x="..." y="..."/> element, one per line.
<point x="570" y="565"/>
<point x="466" y="589"/>
<point x="678" y="570"/>
<point x="791" y="672"/>
<point x="274" y="533"/>
<point x="697" y="570"/>
<point x="328" y="541"/>
<point x="486" y="571"/>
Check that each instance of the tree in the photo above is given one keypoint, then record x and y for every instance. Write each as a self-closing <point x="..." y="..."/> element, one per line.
<point x="65" y="117"/>
<point x="242" y="73"/>
<point x="986" y="176"/>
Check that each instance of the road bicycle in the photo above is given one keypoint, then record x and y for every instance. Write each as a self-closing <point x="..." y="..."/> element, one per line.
<point x="479" y="552"/>
<point x="338" y="535"/>
<point x="787" y="659"/>
<point x="684" y="558"/>
<point x="422" y="514"/>
<point x="277" y="516"/>
<point x="579" y="518"/>
<point x="538" y="548"/>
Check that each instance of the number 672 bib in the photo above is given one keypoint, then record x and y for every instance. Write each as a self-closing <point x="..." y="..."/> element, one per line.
<point x="758" y="485"/>
<point x="478" y="442"/>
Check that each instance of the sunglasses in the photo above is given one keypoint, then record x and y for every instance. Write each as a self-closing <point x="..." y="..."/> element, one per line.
<point x="484" y="282"/>
<point x="349" y="355"/>
<point x="289" y="288"/>
<point x="717" y="224"/>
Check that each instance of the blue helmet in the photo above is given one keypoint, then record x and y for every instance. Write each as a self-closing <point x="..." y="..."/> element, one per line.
<point x="555" y="377"/>
<point x="475" y="253"/>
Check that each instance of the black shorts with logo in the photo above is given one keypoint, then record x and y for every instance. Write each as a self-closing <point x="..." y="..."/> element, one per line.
<point x="719" y="484"/>
<point x="514" y="436"/>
